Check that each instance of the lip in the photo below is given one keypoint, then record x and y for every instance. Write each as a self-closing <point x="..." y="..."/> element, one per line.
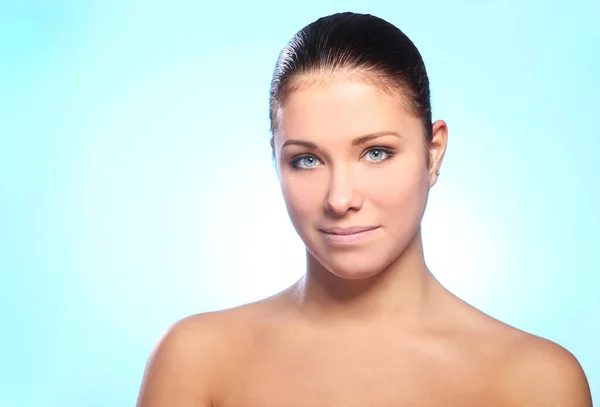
<point x="348" y="231"/>
<point x="348" y="236"/>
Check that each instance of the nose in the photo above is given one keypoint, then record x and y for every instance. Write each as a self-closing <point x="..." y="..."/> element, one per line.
<point x="342" y="195"/>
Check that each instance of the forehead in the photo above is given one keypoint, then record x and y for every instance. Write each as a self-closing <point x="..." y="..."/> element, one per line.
<point x="339" y="108"/>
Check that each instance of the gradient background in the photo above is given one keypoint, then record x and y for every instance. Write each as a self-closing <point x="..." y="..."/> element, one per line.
<point x="137" y="187"/>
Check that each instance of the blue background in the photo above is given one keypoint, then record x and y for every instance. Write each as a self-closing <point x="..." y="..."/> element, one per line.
<point x="137" y="187"/>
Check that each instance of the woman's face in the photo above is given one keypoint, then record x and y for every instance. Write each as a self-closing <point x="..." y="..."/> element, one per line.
<point x="352" y="163"/>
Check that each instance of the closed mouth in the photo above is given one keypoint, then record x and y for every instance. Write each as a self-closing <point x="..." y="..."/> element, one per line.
<point x="348" y="231"/>
<point x="348" y="236"/>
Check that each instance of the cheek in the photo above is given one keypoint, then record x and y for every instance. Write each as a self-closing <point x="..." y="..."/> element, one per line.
<point x="402" y="190"/>
<point x="302" y="195"/>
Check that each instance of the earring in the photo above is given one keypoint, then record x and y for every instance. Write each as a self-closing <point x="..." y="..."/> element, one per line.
<point x="437" y="172"/>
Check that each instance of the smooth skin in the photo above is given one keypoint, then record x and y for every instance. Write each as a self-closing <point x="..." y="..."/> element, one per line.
<point x="368" y="324"/>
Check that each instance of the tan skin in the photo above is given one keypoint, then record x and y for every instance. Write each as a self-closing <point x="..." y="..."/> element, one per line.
<point x="368" y="325"/>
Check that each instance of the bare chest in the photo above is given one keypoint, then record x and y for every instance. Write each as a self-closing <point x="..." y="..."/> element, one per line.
<point x="353" y="377"/>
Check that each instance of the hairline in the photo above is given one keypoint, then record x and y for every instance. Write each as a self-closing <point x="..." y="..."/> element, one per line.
<point x="319" y="76"/>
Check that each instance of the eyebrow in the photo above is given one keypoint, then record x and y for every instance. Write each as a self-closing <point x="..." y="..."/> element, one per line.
<point x="356" y="142"/>
<point x="371" y="136"/>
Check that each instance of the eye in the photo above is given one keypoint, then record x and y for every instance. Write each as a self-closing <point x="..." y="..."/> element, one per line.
<point x="378" y="154"/>
<point x="307" y="161"/>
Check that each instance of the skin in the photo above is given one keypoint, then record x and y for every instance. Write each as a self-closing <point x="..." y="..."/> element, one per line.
<point x="368" y="324"/>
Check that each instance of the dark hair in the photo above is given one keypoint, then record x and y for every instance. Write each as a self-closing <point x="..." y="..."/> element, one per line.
<point x="354" y="43"/>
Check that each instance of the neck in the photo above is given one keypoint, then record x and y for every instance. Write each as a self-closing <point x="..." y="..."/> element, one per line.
<point x="402" y="291"/>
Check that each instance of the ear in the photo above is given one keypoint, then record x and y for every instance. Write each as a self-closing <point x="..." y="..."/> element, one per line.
<point x="437" y="149"/>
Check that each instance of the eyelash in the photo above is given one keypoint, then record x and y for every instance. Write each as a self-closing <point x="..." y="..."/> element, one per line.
<point x="390" y="153"/>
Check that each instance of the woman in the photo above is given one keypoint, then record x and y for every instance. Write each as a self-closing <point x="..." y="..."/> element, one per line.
<point x="368" y="324"/>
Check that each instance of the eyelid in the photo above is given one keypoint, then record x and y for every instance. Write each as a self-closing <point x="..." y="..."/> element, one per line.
<point x="294" y="161"/>
<point x="388" y="150"/>
<point x="304" y="155"/>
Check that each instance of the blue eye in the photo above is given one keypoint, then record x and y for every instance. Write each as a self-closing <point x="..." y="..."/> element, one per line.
<point x="377" y="155"/>
<point x="307" y="161"/>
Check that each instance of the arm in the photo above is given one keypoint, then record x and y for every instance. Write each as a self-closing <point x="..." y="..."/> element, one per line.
<point x="177" y="373"/>
<point x="543" y="374"/>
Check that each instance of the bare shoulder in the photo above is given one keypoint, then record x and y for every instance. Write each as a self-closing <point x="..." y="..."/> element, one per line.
<point x="185" y="367"/>
<point x="527" y="370"/>
<point x="179" y="370"/>
<point x="539" y="372"/>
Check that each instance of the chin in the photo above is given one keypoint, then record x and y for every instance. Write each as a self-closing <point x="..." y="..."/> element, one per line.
<point x="351" y="266"/>
<point x="350" y="274"/>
